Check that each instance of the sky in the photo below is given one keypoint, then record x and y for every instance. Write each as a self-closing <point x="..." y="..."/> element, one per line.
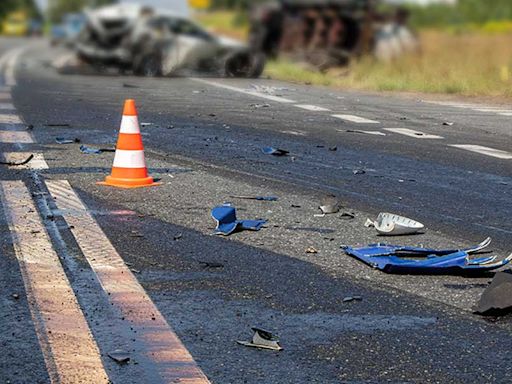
<point x="155" y="3"/>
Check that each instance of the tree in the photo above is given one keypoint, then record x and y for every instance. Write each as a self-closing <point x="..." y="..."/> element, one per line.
<point x="58" y="8"/>
<point x="8" y="6"/>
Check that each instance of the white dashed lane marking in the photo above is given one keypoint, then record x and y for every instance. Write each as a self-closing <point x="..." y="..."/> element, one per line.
<point x="312" y="108"/>
<point x="499" y="154"/>
<point x="154" y="337"/>
<point x="413" y="133"/>
<point x="15" y="137"/>
<point x="356" y="119"/>
<point x="10" y="119"/>
<point x="70" y="352"/>
<point x="245" y="91"/>
<point x="7" y="107"/>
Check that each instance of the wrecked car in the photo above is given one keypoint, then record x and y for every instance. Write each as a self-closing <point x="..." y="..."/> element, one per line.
<point x="149" y="43"/>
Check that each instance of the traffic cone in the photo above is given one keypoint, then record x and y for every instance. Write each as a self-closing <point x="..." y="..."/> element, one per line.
<point x="129" y="169"/>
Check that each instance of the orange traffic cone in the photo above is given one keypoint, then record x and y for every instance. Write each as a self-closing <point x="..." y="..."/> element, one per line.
<point x="129" y="169"/>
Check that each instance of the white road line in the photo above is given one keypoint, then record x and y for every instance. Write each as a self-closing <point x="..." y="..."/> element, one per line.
<point x="505" y="113"/>
<point x="413" y="133"/>
<point x="155" y="337"/>
<point x="10" y="119"/>
<point x="69" y="350"/>
<point x="295" y="133"/>
<point x="485" y="151"/>
<point x="493" y="110"/>
<point x="245" y="91"/>
<point x="10" y="68"/>
<point x="7" y="107"/>
<point x="312" y="108"/>
<point x="5" y="96"/>
<point x="356" y="119"/>
<point x="15" y="137"/>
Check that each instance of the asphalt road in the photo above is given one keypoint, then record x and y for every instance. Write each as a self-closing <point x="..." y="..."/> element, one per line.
<point x="203" y="139"/>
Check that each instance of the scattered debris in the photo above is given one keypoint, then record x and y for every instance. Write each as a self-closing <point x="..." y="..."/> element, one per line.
<point x="347" y="216"/>
<point x="349" y="299"/>
<point x="295" y="206"/>
<point x="17" y="163"/>
<point x="258" y="106"/>
<point x="227" y="223"/>
<point x="136" y="234"/>
<point x="30" y="127"/>
<point x="496" y="299"/>
<point x="274" y="151"/>
<point x="135" y="270"/>
<point x="390" y="224"/>
<point x="311" y="250"/>
<point x="419" y="260"/>
<point x="333" y="149"/>
<point x="178" y="236"/>
<point x="212" y="265"/>
<point x="330" y="204"/>
<point x="358" y="171"/>
<point x="119" y="356"/>
<point x="146" y="124"/>
<point x="15" y="296"/>
<point x="125" y="85"/>
<point x="95" y="151"/>
<point x="63" y="140"/>
<point x="258" y="198"/>
<point x="262" y="339"/>
<point x="448" y="123"/>
<point x="57" y="125"/>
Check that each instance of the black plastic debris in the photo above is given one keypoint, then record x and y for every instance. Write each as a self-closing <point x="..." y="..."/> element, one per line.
<point x="210" y="264"/>
<point x="95" y="151"/>
<point x="347" y="216"/>
<point x="448" y="123"/>
<point x="350" y="299"/>
<point x="125" y="85"/>
<point x="258" y="198"/>
<point x="57" y="125"/>
<point x="274" y="151"/>
<point x="17" y="163"/>
<point x="262" y="339"/>
<point x="119" y="356"/>
<point x="63" y="140"/>
<point x="496" y="300"/>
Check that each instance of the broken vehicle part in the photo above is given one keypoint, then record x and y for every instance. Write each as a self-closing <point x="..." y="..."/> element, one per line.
<point x="262" y="339"/>
<point x="330" y="204"/>
<point x="63" y="140"/>
<point x="389" y="224"/>
<point x="496" y="300"/>
<point x="258" y="198"/>
<point x="274" y="151"/>
<point x="418" y="260"/>
<point x="17" y="163"/>
<point x="227" y="223"/>
<point x="150" y="42"/>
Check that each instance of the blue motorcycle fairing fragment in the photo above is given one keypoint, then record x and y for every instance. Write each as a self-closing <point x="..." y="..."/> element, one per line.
<point x="227" y="223"/>
<point x="396" y="259"/>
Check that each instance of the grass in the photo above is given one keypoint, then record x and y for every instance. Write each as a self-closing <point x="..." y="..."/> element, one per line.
<point x="472" y="61"/>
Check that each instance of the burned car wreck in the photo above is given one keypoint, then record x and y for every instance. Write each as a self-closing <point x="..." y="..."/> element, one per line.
<point x="149" y="43"/>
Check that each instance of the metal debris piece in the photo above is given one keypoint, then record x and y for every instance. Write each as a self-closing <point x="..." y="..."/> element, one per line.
<point x="448" y="123"/>
<point x="496" y="300"/>
<point x="90" y="151"/>
<point x="17" y="163"/>
<point x="389" y="224"/>
<point x="63" y="140"/>
<point x="419" y="260"/>
<point x="119" y="356"/>
<point x="349" y="299"/>
<point x="258" y="106"/>
<point x="258" y="198"/>
<point x="330" y="204"/>
<point x="311" y="250"/>
<point x="358" y="171"/>
<point x="262" y="339"/>
<point x="209" y="264"/>
<point x="227" y="223"/>
<point x="274" y="151"/>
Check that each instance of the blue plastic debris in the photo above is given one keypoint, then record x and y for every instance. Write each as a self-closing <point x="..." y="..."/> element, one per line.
<point x="227" y="223"/>
<point x="417" y="260"/>
<point x="274" y="151"/>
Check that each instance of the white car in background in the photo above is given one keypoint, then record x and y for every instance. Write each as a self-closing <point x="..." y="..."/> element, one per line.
<point x="150" y="43"/>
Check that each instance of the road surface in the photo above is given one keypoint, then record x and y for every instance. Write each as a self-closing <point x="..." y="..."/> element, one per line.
<point x="87" y="269"/>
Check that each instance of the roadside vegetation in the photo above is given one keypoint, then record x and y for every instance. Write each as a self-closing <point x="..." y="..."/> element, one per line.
<point x="466" y="50"/>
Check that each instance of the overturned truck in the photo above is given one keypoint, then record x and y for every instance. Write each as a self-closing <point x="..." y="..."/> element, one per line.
<point x="330" y="33"/>
<point x="140" y="40"/>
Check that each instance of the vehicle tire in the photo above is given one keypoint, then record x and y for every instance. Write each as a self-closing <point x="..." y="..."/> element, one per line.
<point x="245" y="65"/>
<point x="149" y="65"/>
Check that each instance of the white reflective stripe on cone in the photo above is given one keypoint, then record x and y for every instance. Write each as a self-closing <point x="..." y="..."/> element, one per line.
<point x="130" y="124"/>
<point x="129" y="159"/>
